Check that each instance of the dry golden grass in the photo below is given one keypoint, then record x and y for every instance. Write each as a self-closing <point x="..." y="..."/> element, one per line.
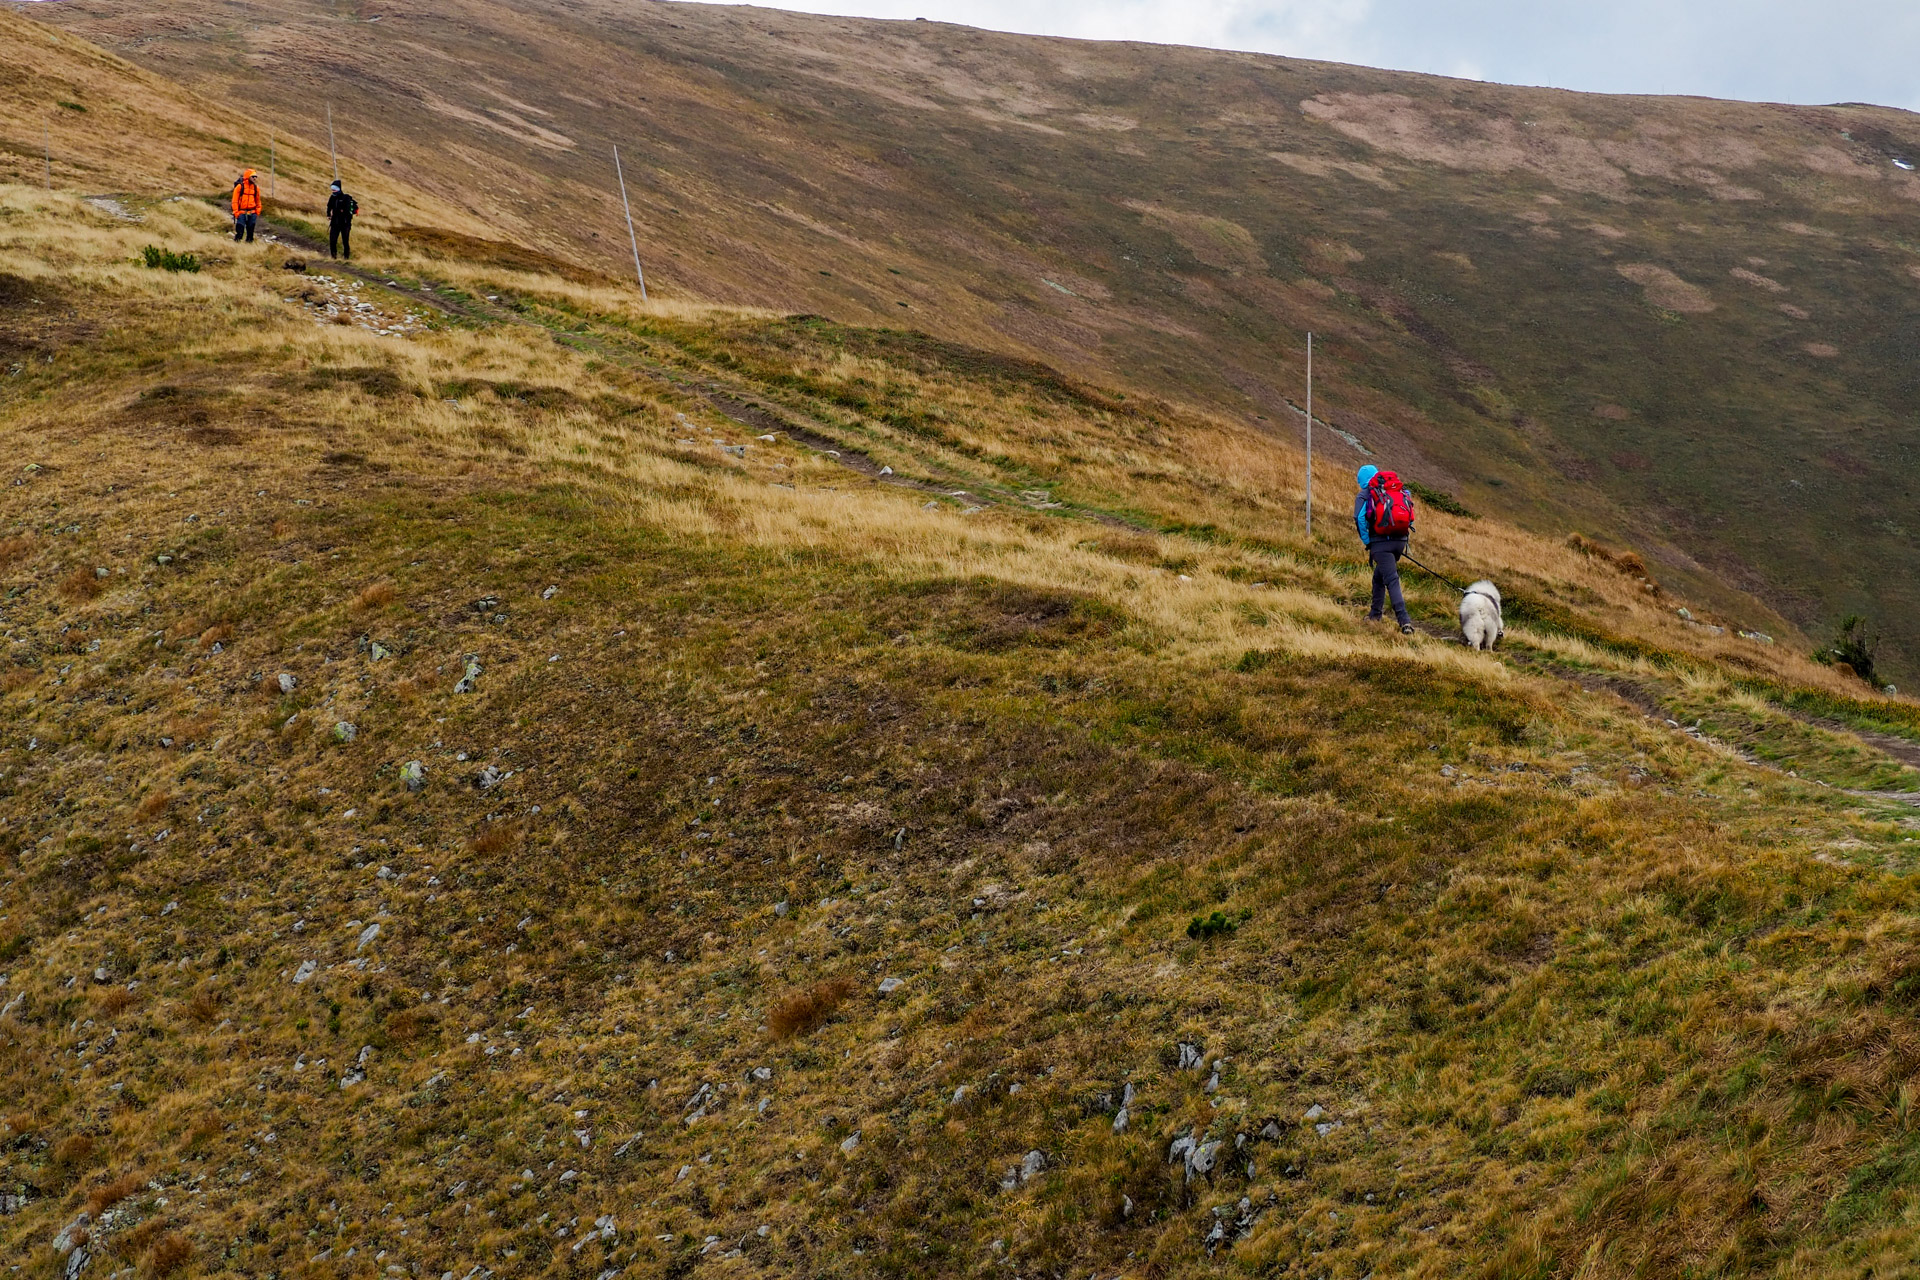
<point x="376" y="595"/>
<point x="14" y="550"/>
<point x="81" y="584"/>
<point x="153" y="805"/>
<point x="169" y="1254"/>
<point x="203" y="1008"/>
<point x="104" y="1197"/>
<point x="219" y="633"/>
<point x="74" y="1153"/>
<point x="806" y="1010"/>
<point x="15" y="678"/>
<point x="114" y="1001"/>
<point x="493" y="839"/>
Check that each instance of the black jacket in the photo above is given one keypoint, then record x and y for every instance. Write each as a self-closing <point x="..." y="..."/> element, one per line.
<point x="341" y="207"/>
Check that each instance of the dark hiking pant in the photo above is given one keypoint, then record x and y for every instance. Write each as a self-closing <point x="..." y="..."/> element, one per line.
<point x="340" y="240"/>
<point x="1385" y="555"/>
<point x="243" y="225"/>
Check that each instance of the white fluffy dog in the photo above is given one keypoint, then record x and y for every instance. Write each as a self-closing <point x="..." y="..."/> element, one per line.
<point x="1481" y="626"/>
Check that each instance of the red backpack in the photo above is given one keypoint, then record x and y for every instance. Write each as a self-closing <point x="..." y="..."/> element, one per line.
<point x="1389" y="507"/>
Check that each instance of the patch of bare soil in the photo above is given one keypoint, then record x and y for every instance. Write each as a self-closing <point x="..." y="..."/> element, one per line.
<point x="1667" y="290"/>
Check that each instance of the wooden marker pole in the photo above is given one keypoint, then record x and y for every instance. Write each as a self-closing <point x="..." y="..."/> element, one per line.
<point x="632" y="239"/>
<point x="331" y="149"/>
<point x="1309" y="435"/>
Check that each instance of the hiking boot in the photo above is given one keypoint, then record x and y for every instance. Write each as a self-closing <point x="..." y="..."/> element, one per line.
<point x="1406" y="628"/>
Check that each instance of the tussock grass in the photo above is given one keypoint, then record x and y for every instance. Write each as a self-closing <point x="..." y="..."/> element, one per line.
<point x="799" y="1012"/>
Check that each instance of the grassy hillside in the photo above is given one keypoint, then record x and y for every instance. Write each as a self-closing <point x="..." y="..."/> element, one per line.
<point x="1679" y="323"/>
<point x="497" y="775"/>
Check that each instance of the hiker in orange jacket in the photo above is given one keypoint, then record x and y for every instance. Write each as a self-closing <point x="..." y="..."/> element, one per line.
<point x="246" y="205"/>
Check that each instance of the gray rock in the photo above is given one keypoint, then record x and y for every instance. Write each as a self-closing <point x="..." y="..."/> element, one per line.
<point x="1120" y="1120"/>
<point x="77" y="1261"/>
<point x="346" y="732"/>
<point x="11" y="1203"/>
<point x="1270" y="1131"/>
<point x="1181" y="1146"/>
<point x="780" y="908"/>
<point x="365" y="1056"/>
<point x="414" y="774"/>
<point x="1326" y="1127"/>
<point x="384" y="873"/>
<point x="1202" y="1158"/>
<point x="1190" y="1056"/>
<point x="489" y="778"/>
<point x="851" y="1141"/>
<point x="472" y="676"/>
<point x="1314" y="1112"/>
<point x="1126" y="1206"/>
<point x="763" y="1073"/>
<point x="890" y="985"/>
<point x="376" y="651"/>
<point x="305" y="972"/>
<point x="1213" y="1085"/>
<point x="1031" y="1164"/>
<point x="959" y="1095"/>
<point x="100" y="974"/>
<point x="549" y="593"/>
<point x="1126" y="1095"/>
<point x="287" y="682"/>
<point x="367" y="935"/>
<point x="73" y="1235"/>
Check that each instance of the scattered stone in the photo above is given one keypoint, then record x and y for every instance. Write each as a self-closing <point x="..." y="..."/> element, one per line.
<point x="1181" y="1146"/>
<point x="1031" y="1164"/>
<point x="376" y="651"/>
<point x="367" y="935"/>
<point x="851" y="1141"/>
<point x="12" y="1203"/>
<point x="1270" y="1131"/>
<point x="287" y="682"/>
<point x="1201" y="1159"/>
<point x="1213" y="1085"/>
<point x="959" y="1095"/>
<point x="73" y="1235"/>
<point x="170" y="908"/>
<point x="414" y="774"/>
<point x="489" y="778"/>
<point x="1314" y="1112"/>
<point x="346" y="732"/>
<point x="1191" y="1059"/>
<point x="780" y="908"/>
<point x="930" y="506"/>
<point x="305" y="972"/>
<point x="549" y="593"/>
<point x="100" y="974"/>
<point x="1326" y="1127"/>
<point x="890" y="985"/>
<point x="763" y="1073"/>
<point x="472" y="677"/>
<point x="1126" y="1206"/>
<point x="886" y="471"/>
<point x="1120" y="1120"/>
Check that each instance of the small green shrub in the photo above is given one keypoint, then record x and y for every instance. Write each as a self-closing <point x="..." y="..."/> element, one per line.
<point x="1216" y="925"/>
<point x="1854" y="645"/>
<point x="1440" y="501"/>
<point x="160" y="259"/>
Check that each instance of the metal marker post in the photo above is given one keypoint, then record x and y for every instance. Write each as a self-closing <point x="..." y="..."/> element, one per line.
<point x="1309" y="435"/>
<point x="631" y="238"/>
<point x="331" y="149"/>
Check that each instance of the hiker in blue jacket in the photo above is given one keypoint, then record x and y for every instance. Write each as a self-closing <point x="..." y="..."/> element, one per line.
<point x="1384" y="549"/>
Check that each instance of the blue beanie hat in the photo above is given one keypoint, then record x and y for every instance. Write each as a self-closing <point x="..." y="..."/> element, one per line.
<point x="1367" y="473"/>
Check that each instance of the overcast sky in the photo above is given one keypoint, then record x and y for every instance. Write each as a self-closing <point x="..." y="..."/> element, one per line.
<point x="1807" y="51"/>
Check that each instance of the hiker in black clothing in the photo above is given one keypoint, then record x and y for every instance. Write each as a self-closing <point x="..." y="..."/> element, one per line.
<point x="340" y="210"/>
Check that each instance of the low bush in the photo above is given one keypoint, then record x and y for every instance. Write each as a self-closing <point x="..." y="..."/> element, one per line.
<point x="159" y="259"/>
<point x="799" y="1012"/>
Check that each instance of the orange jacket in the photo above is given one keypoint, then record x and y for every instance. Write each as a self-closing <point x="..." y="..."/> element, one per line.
<point x="246" y="194"/>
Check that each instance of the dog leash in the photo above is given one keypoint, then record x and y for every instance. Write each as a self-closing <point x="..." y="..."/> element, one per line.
<point x="1449" y="581"/>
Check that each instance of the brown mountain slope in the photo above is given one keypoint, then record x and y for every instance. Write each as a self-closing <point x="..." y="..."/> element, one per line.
<point x="1179" y="216"/>
<point x="1682" y="321"/>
